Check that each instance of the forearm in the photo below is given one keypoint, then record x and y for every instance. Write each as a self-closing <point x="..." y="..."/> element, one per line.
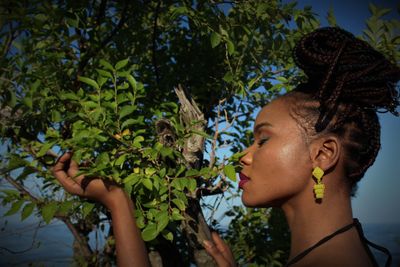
<point x="131" y="250"/>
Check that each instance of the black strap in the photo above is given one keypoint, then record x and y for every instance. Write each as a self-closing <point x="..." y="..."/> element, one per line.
<point x="319" y="243"/>
<point x="364" y="240"/>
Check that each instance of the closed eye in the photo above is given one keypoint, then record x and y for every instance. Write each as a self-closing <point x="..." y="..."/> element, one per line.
<point x="262" y="141"/>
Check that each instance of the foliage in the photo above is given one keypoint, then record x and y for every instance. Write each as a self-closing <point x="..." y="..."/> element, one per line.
<point x="252" y="232"/>
<point x="95" y="77"/>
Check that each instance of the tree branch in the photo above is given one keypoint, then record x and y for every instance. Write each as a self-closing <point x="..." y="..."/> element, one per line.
<point x="154" y="46"/>
<point x="105" y="41"/>
<point x="85" y="249"/>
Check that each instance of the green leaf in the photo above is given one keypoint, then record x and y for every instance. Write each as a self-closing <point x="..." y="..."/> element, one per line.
<point x="130" y="181"/>
<point x="229" y="171"/>
<point x="237" y="156"/>
<point x="15" y="207"/>
<point x="120" y="161"/>
<point x="167" y="152"/>
<point x="87" y="208"/>
<point x="103" y="158"/>
<point x="179" y="203"/>
<point x="228" y="77"/>
<point x="69" y="96"/>
<point x="27" y="210"/>
<point x="128" y="122"/>
<point x="176" y="215"/>
<point x="230" y="47"/>
<point x="126" y="110"/>
<point x="140" y="220"/>
<point x="149" y="232"/>
<point x="89" y="81"/>
<point x="122" y="63"/>
<point x="104" y="73"/>
<point x="137" y="141"/>
<point x="12" y="100"/>
<point x="48" y="211"/>
<point x="150" y="171"/>
<point x="192" y="185"/>
<point x="177" y="183"/>
<point x="192" y="172"/>
<point x="162" y="173"/>
<point x="66" y="207"/>
<point x="162" y="220"/>
<point x="282" y="79"/>
<point x="147" y="183"/>
<point x="168" y="235"/>
<point x="27" y="100"/>
<point x="56" y="116"/>
<point x="215" y="39"/>
<point x="132" y="82"/>
<point x="16" y="162"/>
<point x="89" y="104"/>
<point x="106" y="65"/>
<point x="123" y="86"/>
<point x="45" y="147"/>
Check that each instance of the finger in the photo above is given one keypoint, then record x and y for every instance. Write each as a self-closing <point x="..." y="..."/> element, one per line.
<point x="73" y="170"/>
<point x="216" y="254"/>
<point x="223" y="248"/>
<point x="62" y="162"/>
<point x="62" y="176"/>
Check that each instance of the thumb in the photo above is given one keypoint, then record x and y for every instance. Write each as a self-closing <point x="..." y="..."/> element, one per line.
<point x="212" y="249"/>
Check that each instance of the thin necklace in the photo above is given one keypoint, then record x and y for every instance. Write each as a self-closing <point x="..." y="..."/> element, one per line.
<point x="319" y="243"/>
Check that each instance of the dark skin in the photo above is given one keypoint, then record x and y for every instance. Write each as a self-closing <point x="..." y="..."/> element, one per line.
<point x="130" y="247"/>
<point x="279" y="165"/>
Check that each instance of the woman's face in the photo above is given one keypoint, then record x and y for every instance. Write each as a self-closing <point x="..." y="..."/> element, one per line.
<point x="278" y="163"/>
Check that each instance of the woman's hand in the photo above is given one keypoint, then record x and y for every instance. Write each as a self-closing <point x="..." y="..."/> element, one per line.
<point x="131" y="250"/>
<point x="65" y="171"/>
<point x="220" y="251"/>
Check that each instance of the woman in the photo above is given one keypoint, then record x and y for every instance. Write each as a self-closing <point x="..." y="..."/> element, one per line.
<point x="311" y="147"/>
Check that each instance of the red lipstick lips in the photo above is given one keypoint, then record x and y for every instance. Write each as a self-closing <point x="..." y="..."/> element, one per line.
<point x="243" y="179"/>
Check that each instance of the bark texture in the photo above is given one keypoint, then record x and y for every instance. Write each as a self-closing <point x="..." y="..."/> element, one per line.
<point x="194" y="225"/>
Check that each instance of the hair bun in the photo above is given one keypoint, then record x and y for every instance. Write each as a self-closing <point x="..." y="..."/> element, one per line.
<point x="341" y="67"/>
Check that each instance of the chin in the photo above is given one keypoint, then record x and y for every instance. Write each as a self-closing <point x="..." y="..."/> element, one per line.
<point x="254" y="203"/>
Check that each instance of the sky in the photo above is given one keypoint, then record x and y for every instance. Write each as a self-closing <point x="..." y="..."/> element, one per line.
<point x="377" y="197"/>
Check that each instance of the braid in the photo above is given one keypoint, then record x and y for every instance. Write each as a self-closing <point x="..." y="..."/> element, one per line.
<point x="348" y="82"/>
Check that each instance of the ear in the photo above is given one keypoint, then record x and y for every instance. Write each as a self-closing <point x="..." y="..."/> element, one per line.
<point x="325" y="152"/>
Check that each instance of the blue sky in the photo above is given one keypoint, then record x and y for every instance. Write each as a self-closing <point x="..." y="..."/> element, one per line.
<point x="378" y="196"/>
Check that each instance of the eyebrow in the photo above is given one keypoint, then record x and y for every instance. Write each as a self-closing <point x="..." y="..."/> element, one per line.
<point x="260" y="125"/>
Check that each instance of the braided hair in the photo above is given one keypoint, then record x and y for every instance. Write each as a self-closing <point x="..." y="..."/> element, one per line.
<point x="348" y="83"/>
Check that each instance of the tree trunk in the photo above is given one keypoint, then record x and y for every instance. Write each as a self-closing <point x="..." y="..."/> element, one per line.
<point x="194" y="225"/>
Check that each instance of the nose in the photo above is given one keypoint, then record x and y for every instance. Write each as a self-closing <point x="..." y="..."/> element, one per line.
<point x="246" y="159"/>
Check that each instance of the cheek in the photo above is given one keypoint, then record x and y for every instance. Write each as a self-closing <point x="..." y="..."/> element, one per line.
<point x="281" y="160"/>
<point x="280" y="170"/>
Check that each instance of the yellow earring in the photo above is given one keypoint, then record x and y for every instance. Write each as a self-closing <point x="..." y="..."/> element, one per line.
<point x="319" y="187"/>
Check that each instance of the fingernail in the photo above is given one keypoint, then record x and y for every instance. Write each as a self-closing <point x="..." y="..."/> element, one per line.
<point x="207" y="244"/>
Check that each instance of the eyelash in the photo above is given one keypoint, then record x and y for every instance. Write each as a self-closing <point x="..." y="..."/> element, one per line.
<point x="262" y="141"/>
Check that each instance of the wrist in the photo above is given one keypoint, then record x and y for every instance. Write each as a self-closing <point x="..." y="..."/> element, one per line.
<point x="115" y="198"/>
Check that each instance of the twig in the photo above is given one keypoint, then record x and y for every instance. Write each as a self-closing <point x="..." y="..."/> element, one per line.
<point x="105" y="41"/>
<point x="214" y="143"/>
<point x="154" y="59"/>
<point x="86" y="251"/>
<point x="25" y="250"/>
